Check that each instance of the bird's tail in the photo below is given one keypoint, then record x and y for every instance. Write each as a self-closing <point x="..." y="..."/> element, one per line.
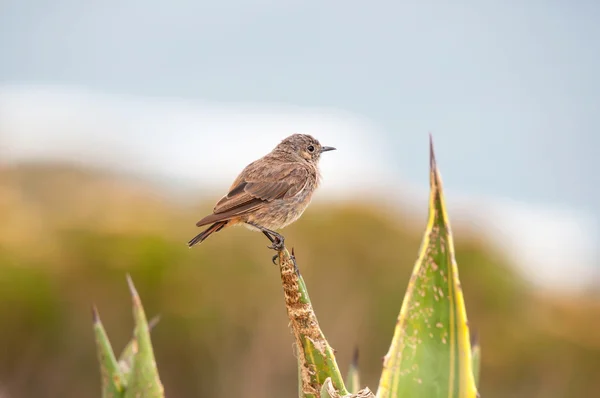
<point x="216" y="227"/>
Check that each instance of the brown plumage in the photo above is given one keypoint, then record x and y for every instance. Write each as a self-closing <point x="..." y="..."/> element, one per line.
<point x="271" y="192"/>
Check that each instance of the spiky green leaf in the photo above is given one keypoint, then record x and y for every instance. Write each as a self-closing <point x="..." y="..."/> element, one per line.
<point x="430" y="354"/>
<point x="144" y="380"/>
<point x="126" y="357"/>
<point x="113" y="382"/>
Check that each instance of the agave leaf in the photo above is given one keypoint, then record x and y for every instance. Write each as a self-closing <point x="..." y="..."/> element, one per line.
<point x="113" y="382"/>
<point x="430" y="354"/>
<point x="315" y="356"/>
<point x="353" y="377"/>
<point x="476" y="356"/>
<point x="126" y="357"/>
<point x="143" y="378"/>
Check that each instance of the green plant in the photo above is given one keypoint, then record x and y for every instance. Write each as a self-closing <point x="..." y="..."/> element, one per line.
<point x="431" y="354"/>
<point x="135" y="373"/>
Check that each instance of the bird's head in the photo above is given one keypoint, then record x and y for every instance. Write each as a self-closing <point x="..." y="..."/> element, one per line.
<point x="305" y="146"/>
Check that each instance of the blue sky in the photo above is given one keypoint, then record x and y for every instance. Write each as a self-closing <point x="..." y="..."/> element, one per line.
<point x="509" y="89"/>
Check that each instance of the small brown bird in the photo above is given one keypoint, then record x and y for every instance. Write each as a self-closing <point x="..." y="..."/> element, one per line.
<point x="271" y="192"/>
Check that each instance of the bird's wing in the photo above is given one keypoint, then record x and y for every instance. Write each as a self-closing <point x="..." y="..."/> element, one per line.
<point x="260" y="186"/>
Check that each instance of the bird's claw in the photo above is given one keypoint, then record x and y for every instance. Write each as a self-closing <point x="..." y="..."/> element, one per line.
<point x="278" y="244"/>
<point x="292" y="257"/>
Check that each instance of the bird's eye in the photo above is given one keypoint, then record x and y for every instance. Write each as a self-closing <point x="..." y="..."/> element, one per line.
<point x="311" y="148"/>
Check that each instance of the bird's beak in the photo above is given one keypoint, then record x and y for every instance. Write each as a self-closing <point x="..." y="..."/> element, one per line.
<point x="327" y="148"/>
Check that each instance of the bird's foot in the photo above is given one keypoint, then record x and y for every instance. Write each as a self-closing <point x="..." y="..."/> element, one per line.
<point x="278" y="244"/>
<point x="292" y="257"/>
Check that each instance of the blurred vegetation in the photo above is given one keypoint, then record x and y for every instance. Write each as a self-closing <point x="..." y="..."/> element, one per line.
<point x="68" y="236"/>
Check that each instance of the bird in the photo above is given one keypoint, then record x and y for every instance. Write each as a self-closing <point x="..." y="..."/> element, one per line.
<point x="271" y="192"/>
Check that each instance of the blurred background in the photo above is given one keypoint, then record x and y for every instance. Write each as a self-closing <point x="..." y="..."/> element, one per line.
<point x="122" y="122"/>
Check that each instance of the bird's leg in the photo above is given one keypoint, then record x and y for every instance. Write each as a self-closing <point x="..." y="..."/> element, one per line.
<point x="279" y="242"/>
<point x="276" y="239"/>
<point x="268" y="236"/>
<point x="272" y="241"/>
